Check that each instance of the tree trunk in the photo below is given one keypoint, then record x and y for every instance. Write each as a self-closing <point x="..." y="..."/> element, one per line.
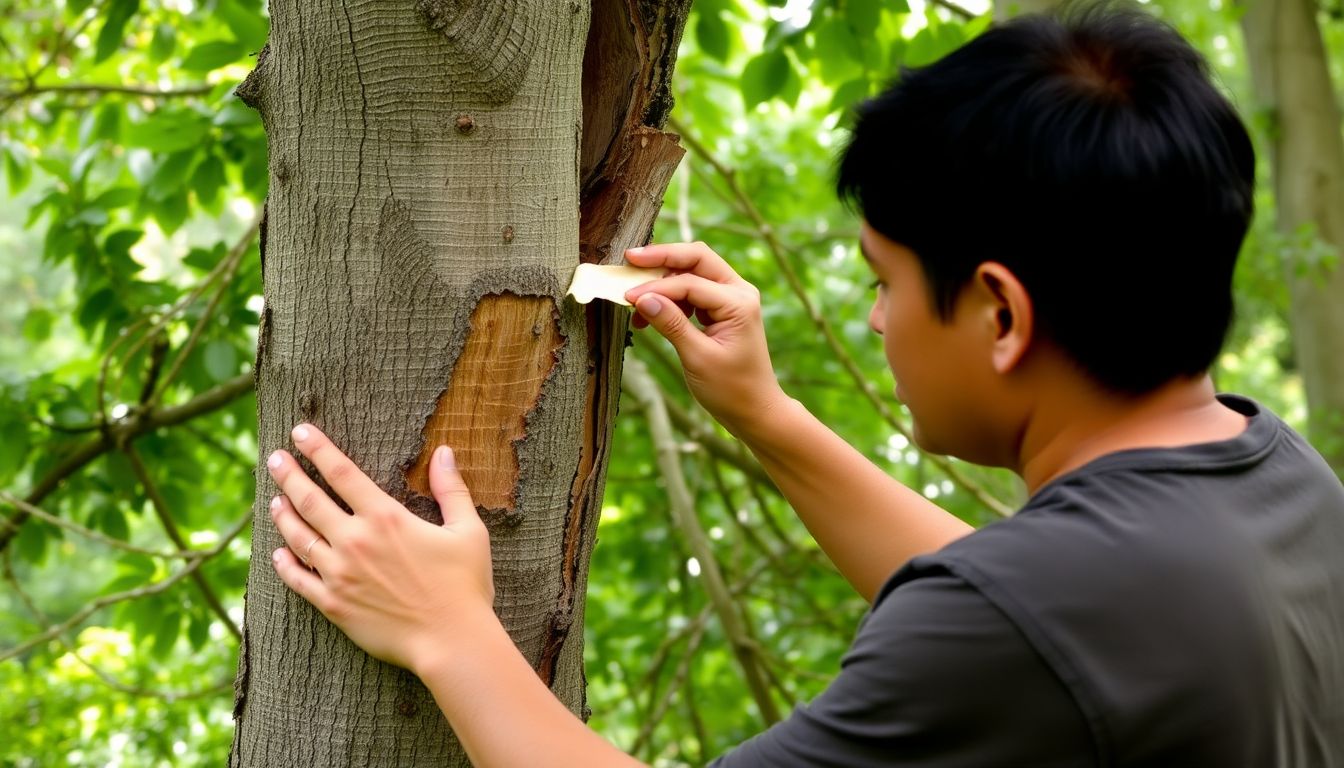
<point x="428" y="162"/>
<point x="1291" y="77"/>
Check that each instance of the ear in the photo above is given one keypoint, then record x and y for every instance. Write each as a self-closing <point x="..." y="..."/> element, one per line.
<point x="1009" y="314"/>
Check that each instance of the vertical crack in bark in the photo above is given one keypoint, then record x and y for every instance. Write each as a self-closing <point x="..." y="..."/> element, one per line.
<point x="585" y="489"/>
<point x="359" y="159"/>
<point x="511" y="347"/>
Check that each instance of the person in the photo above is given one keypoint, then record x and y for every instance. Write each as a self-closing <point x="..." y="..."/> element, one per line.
<point x="1053" y="214"/>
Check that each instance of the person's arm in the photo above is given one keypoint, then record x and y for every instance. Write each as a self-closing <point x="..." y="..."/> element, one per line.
<point x="867" y="523"/>
<point x="419" y="595"/>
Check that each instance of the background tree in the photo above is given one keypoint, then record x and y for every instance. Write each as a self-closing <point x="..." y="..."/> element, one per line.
<point x="140" y="137"/>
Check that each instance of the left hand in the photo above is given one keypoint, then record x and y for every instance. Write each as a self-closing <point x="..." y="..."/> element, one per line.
<point x="402" y="588"/>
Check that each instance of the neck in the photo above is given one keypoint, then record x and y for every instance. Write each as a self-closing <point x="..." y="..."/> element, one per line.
<point x="1070" y="428"/>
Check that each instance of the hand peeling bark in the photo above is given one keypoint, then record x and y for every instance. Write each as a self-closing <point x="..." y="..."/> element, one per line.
<point x="482" y="414"/>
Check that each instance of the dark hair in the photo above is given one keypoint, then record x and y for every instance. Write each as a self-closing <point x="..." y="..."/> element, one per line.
<point x="1088" y="152"/>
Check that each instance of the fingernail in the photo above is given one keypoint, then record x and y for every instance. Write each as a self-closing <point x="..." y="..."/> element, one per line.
<point x="445" y="457"/>
<point x="275" y="461"/>
<point x="275" y="505"/>
<point x="300" y="433"/>
<point x="638" y="250"/>
<point x="275" y="557"/>
<point x="648" y="306"/>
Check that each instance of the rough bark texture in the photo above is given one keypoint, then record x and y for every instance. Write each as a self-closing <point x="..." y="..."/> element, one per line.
<point x="423" y="221"/>
<point x="1292" y="83"/>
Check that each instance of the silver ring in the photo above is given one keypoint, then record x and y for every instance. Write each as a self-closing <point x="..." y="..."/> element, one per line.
<point x="308" y="551"/>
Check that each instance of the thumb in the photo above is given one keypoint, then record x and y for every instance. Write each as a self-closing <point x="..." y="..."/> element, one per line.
<point x="667" y="318"/>
<point x="448" y="487"/>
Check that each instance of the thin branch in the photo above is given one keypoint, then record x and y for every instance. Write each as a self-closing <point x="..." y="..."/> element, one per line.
<point x="89" y="533"/>
<point x="957" y="10"/>
<point x="233" y="260"/>
<point x="101" y="89"/>
<point x="777" y="249"/>
<point x="107" y="678"/>
<point x="160" y="505"/>
<point x="641" y="385"/>
<point x="120" y="433"/>
<point x="130" y="594"/>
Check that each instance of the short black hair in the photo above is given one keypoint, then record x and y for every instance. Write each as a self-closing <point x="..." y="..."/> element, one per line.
<point x="1089" y="152"/>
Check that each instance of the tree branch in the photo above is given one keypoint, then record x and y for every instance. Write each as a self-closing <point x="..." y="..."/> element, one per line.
<point x="641" y="385"/>
<point x="777" y="249"/>
<point x="130" y="594"/>
<point x="160" y="505"/>
<point x="89" y="533"/>
<point x="957" y="10"/>
<point x="33" y="89"/>
<point x="106" y="677"/>
<point x="122" y="432"/>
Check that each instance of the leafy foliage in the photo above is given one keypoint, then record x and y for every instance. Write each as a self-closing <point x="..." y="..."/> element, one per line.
<point x="133" y="180"/>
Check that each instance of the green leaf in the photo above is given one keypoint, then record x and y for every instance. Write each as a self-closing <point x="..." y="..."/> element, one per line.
<point x="248" y="24"/>
<point x="162" y="44"/>
<point x="863" y="16"/>
<point x="170" y="175"/>
<point x="169" y="130"/>
<point x="166" y="633"/>
<point x="108" y="518"/>
<point x="17" y="168"/>
<point x="31" y="542"/>
<point x="15" y="439"/>
<point x="108" y="125"/>
<point x="839" y="52"/>
<point x="94" y="308"/>
<point x="712" y="34"/>
<point x="116" y="197"/>
<point x="37" y="325"/>
<point x="114" y="28"/>
<point x="764" y="77"/>
<point x="120" y="242"/>
<point x="170" y="212"/>
<point x="208" y="179"/>
<point x="198" y="631"/>
<point x="221" y="360"/>
<point x="91" y="215"/>
<point x="212" y="55"/>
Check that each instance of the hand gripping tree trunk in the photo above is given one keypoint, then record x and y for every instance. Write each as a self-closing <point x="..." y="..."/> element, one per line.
<point x="1291" y="75"/>
<point x="428" y="164"/>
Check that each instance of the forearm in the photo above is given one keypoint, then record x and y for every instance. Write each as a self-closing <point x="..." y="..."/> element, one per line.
<point x="867" y="523"/>
<point x="500" y="710"/>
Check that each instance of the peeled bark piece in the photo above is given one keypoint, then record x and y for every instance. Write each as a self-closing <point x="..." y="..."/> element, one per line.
<point x="609" y="281"/>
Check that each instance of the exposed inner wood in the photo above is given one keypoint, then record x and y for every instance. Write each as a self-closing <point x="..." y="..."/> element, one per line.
<point x="482" y="415"/>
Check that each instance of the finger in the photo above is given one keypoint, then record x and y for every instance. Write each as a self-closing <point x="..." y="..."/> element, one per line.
<point x="344" y="477"/>
<point x="691" y="290"/>
<point x="449" y="489"/>
<point x="306" y="544"/>
<point x="312" y="503"/>
<point x="661" y="313"/>
<point x="686" y="257"/>
<point x="304" y="582"/>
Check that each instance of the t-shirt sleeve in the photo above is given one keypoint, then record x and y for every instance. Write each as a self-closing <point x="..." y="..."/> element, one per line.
<point x="937" y="675"/>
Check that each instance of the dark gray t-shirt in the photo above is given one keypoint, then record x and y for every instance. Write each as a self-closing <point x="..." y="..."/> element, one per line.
<point x="1157" y="607"/>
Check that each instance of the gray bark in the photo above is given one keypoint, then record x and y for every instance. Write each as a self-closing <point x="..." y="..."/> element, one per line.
<point x="1292" y="84"/>
<point x="422" y="225"/>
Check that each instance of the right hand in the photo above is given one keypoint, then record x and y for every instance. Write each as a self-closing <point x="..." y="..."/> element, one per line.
<point x="727" y="364"/>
